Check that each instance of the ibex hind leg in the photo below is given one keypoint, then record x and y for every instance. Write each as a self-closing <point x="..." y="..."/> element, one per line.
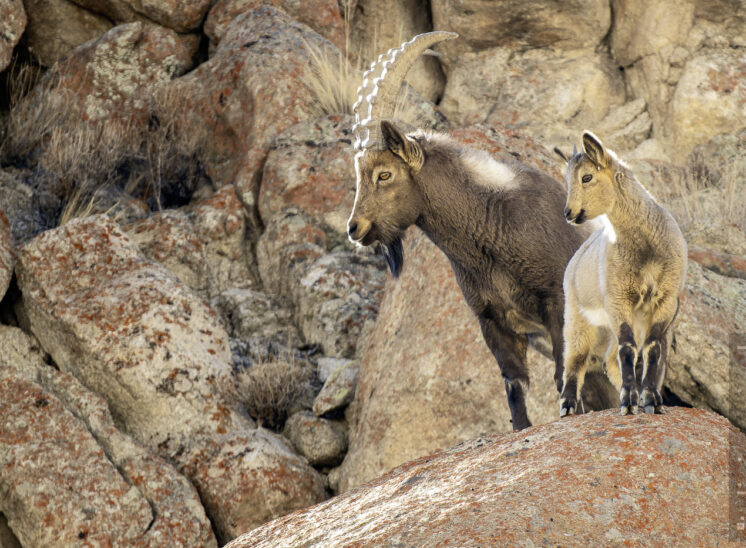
<point x="654" y="354"/>
<point x="629" y="395"/>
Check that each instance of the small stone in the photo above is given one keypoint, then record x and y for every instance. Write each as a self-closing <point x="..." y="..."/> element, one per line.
<point x="338" y="390"/>
<point x="327" y="366"/>
<point x="322" y="441"/>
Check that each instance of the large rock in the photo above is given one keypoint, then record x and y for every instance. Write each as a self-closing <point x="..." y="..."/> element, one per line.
<point x="683" y="59"/>
<point x="203" y="244"/>
<point x="710" y="98"/>
<point x="378" y="25"/>
<point x="68" y="474"/>
<point x="338" y="295"/>
<point x="518" y="25"/>
<point x="323" y="16"/>
<point x="273" y="479"/>
<point x="310" y="168"/>
<point x="7" y="255"/>
<point x="702" y="370"/>
<point x="12" y="24"/>
<point x="253" y="87"/>
<point x="427" y="379"/>
<point x="600" y="478"/>
<point x="158" y="354"/>
<point x="286" y="248"/>
<point x="57" y="26"/>
<point x="179" y="16"/>
<point x="552" y="95"/>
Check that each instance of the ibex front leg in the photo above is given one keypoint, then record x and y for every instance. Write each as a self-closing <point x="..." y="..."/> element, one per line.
<point x="509" y="350"/>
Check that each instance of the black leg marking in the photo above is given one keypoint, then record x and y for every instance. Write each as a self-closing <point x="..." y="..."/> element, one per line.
<point x="517" y="403"/>
<point x="629" y="396"/>
<point x="651" y="400"/>
<point x="509" y="350"/>
<point x="569" y="400"/>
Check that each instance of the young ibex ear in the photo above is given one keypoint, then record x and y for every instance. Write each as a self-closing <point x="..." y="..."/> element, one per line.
<point x="595" y="150"/>
<point x="401" y="145"/>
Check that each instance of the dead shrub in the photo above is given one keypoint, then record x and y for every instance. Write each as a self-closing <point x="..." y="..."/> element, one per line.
<point x="268" y="389"/>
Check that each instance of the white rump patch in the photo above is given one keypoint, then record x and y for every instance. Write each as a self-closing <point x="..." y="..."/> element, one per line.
<point x="489" y="172"/>
<point x="596" y="316"/>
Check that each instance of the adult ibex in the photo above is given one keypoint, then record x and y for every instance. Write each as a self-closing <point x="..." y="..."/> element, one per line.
<point x="500" y="225"/>
<point x="622" y="286"/>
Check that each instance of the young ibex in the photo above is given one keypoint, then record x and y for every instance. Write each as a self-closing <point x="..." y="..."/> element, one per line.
<point x="622" y="286"/>
<point x="501" y="225"/>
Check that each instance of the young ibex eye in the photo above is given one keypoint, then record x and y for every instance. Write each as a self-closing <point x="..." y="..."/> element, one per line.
<point x="384" y="176"/>
<point x="587" y="178"/>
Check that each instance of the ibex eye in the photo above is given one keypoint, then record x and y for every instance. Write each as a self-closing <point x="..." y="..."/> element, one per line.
<point x="587" y="178"/>
<point x="384" y="176"/>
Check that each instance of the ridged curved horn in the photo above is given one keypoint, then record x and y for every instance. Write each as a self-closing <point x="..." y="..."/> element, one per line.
<point x="381" y="83"/>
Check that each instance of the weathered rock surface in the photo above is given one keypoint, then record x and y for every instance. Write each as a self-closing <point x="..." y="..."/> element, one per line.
<point x="12" y="24"/>
<point x="179" y="16"/>
<point x="68" y="474"/>
<point x="337" y="296"/>
<point x="378" y="25"/>
<point x="713" y="307"/>
<point x="323" y="16"/>
<point x="309" y="168"/>
<point x="204" y="245"/>
<point x="274" y="480"/>
<point x="683" y="59"/>
<point x="516" y="24"/>
<point x="322" y="441"/>
<point x="289" y="243"/>
<point x="339" y="388"/>
<point x="552" y="95"/>
<point x="7" y="254"/>
<point x="21" y="204"/>
<point x="260" y="324"/>
<point x="57" y="26"/>
<point x="709" y="98"/>
<point x="132" y="333"/>
<point x="251" y="89"/>
<point x="640" y="480"/>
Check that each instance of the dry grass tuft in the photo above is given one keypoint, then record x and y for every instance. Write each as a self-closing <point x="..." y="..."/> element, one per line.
<point x="267" y="389"/>
<point x="334" y="79"/>
<point x="152" y="158"/>
<point x="709" y="205"/>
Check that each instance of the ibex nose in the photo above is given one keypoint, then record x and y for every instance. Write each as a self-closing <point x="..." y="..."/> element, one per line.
<point x="357" y="229"/>
<point x="568" y="214"/>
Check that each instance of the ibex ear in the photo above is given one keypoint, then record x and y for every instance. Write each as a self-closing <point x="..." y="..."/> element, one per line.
<point x="401" y="145"/>
<point x="595" y="150"/>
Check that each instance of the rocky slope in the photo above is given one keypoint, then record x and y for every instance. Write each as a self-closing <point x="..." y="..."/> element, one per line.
<point x="189" y="345"/>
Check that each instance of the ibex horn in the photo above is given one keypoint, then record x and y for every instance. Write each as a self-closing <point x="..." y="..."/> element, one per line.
<point x="381" y="83"/>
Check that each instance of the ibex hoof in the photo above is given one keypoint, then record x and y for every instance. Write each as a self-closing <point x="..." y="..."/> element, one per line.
<point x="628" y="401"/>
<point x="651" y="401"/>
<point x="649" y="409"/>
<point x="567" y="407"/>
